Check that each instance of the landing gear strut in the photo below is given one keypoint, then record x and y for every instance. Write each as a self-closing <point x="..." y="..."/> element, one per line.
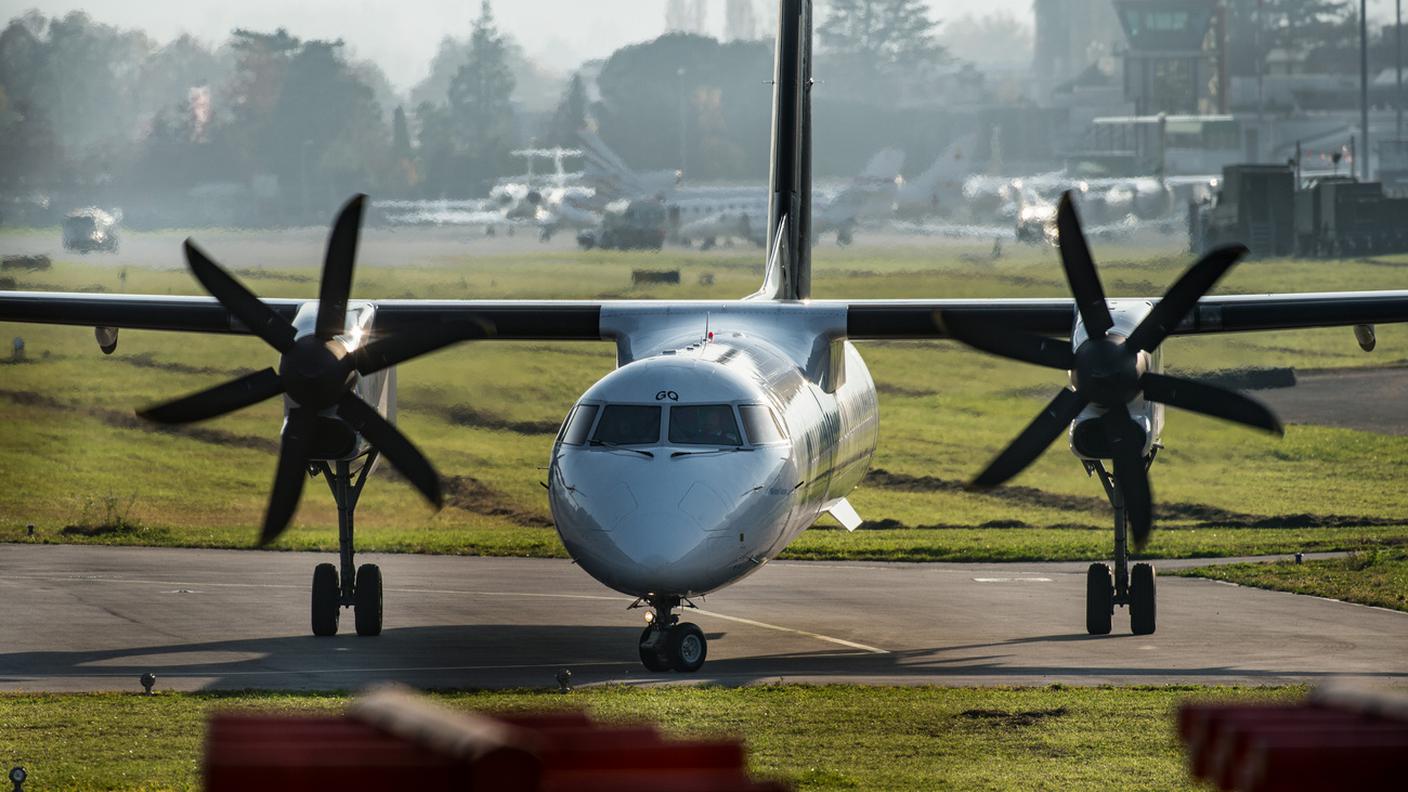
<point x="666" y="643"/>
<point x="1131" y="587"/>
<point x="359" y="589"/>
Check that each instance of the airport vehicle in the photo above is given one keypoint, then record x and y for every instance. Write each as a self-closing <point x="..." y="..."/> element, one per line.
<point x="89" y="230"/>
<point x="1327" y="216"/>
<point x="727" y="427"/>
<point x="627" y="225"/>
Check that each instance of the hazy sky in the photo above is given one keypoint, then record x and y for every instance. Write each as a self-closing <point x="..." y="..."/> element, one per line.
<point x="401" y="35"/>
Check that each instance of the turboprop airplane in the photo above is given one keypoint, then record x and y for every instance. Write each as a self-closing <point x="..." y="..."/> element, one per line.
<point x="727" y="427"/>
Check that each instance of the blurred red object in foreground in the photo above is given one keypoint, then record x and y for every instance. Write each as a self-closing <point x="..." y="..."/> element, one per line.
<point x="1343" y="736"/>
<point x="393" y="739"/>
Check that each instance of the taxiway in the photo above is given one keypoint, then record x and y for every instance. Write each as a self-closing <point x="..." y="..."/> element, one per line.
<point x="95" y="618"/>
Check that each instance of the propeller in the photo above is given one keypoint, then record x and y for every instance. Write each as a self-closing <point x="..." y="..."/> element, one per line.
<point x="1109" y="370"/>
<point x="316" y="372"/>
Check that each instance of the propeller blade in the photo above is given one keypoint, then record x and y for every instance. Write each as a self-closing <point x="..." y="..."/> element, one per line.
<point x="393" y="445"/>
<point x="261" y="320"/>
<point x="416" y="341"/>
<point x="341" y="256"/>
<point x="289" y="476"/>
<point x="1131" y="474"/>
<point x="1027" y="347"/>
<point x="1211" y="400"/>
<point x="1048" y="425"/>
<point x="1182" y="296"/>
<point x="1080" y="270"/>
<point x="221" y="399"/>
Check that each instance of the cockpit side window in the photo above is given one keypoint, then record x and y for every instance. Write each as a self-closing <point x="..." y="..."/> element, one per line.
<point x="704" y="424"/>
<point x="628" y="424"/>
<point x="760" y="423"/>
<point x="579" y="423"/>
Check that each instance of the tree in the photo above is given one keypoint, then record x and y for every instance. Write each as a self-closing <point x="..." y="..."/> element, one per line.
<point x="650" y="90"/>
<point x="436" y="150"/>
<point x="571" y="115"/>
<point x="871" y="45"/>
<point x="480" y="101"/>
<point x="1298" y="27"/>
<point x="325" y="134"/>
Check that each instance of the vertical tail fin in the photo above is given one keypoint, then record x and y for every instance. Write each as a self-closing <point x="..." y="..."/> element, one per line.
<point x="790" y="181"/>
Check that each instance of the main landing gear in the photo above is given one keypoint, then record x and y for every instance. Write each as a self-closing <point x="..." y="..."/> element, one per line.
<point x="358" y="588"/>
<point x="668" y="644"/>
<point x="1131" y="587"/>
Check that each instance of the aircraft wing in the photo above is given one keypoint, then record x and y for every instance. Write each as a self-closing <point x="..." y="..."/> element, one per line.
<point x="915" y="319"/>
<point x="511" y="319"/>
<point x="568" y="320"/>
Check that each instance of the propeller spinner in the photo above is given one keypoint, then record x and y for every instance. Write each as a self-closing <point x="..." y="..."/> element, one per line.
<point x="1109" y="370"/>
<point x="317" y="372"/>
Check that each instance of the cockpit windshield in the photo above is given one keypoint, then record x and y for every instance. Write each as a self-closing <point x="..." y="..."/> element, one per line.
<point x="574" y="432"/>
<point x="761" y="424"/>
<point x="704" y="424"/>
<point x="628" y="424"/>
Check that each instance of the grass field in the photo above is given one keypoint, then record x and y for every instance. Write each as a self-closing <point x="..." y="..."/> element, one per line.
<point x="818" y="738"/>
<point x="73" y="457"/>
<point x="1371" y="577"/>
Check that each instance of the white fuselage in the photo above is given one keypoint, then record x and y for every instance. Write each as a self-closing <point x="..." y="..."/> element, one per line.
<point x="678" y="512"/>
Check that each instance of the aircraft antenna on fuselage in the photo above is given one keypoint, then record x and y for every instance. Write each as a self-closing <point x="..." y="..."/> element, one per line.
<point x="790" y="180"/>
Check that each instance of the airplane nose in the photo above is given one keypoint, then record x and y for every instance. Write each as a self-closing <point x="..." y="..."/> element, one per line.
<point x="682" y="526"/>
<point x="658" y="540"/>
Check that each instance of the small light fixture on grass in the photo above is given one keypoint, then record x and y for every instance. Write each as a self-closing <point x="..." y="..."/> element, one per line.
<point x="148" y="682"/>
<point x="564" y="681"/>
<point x="17" y="777"/>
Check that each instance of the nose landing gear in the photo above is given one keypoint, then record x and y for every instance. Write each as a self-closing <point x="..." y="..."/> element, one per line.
<point x="669" y="644"/>
<point x="1131" y="587"/>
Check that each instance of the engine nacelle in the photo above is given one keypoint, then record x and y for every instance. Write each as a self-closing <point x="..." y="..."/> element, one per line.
<point x="333" y="438"/>
<point x="1089" y="438"/>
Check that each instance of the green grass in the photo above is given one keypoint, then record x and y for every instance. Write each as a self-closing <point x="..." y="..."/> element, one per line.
<point x="1370" y="577"/>
<point x="485" y="414"/>
<point x="831" y="737"/>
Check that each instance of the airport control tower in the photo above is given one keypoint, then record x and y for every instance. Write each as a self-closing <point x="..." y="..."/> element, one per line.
<point x="1171" y="64"/>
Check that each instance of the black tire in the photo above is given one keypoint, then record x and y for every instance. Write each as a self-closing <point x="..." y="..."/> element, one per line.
<point x="652" y="657"/>
<point x="1099" y="599"/>
<point x="1143" y="599"/>
<point x="367" y="600"/>
<point x="326" y="596"/>
<point x="686" y="647"/>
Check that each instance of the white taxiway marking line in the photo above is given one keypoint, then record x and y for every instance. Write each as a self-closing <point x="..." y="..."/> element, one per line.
<point x="818" y="636"/>
<point x="739" y="619"/>
<point x="1012" y="580"/>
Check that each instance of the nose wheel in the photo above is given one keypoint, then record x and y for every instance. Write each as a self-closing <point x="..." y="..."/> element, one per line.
<point x="667" y="644"/>
<point x="1133" y="587"/>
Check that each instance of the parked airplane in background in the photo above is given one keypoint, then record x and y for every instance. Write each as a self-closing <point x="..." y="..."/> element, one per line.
<point x="727" y="427"/>
<point x="940" y="188"/>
